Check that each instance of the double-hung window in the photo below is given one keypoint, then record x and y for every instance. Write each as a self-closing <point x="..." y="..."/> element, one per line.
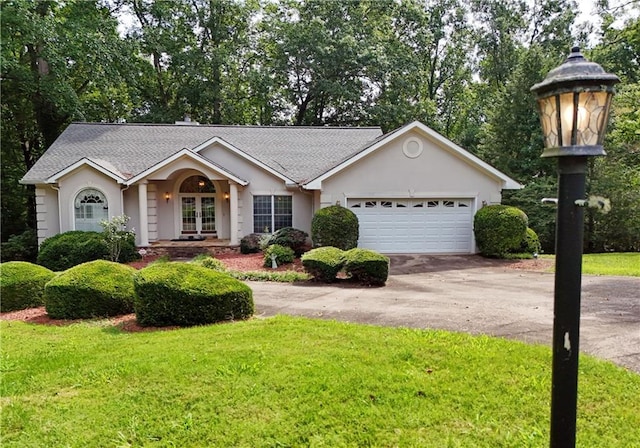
<point x="271" y="213"/>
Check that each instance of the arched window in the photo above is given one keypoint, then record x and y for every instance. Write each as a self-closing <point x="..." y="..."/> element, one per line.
<point x="90" y="208"/>
<point x="197" y="184"/>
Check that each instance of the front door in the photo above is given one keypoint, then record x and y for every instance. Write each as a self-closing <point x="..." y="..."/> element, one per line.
<point x="198" y="214"/>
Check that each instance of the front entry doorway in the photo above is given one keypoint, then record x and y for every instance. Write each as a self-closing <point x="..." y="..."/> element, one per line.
<point x="198" y="207"/>
<point x="198" y="215"/>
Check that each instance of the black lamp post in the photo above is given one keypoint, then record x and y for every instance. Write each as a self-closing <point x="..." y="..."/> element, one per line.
<point x="573" y="102"/>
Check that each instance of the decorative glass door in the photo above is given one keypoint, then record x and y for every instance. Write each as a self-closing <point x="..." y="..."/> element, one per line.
<point x="207" y="215"/>
<point x="189" y="215"/>
<point x="198" y="214"/>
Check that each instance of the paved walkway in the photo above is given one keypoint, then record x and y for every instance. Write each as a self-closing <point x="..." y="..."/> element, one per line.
<point x="473" y="295"/>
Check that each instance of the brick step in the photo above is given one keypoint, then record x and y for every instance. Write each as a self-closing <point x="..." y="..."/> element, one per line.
<point x="190" y="251"/>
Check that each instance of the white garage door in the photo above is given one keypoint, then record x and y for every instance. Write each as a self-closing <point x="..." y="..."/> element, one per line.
<point x="414" y="225"/>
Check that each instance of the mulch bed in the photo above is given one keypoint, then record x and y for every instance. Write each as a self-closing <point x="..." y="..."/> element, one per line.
<point x="236" y="262"/>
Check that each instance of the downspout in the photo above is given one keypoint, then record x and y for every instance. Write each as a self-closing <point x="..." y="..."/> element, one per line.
<point x="122" y="190"/>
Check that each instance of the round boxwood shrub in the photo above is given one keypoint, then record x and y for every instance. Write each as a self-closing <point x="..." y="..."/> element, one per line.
<point x="289" y="237"/>
<point x="499" y="229"/>
<point x="250" y="244"/>
<point x="323" y="263"/>
<point x="98" y="288"/>
<point x="185" y="294"/>
<point x="335" y="226"/>
<point x="283" y="255"/>
<point x="22" y="285"/>
<point x="366" y="266"/>
<point x="68" y="249"/>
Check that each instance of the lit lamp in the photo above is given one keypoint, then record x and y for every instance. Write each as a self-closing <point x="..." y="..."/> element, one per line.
<point x="573" y="102"/>
<point x="167" y="196"/>
<point x="226" y="196"/>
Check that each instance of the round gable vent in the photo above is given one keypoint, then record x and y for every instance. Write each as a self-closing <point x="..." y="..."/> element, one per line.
<point x="412" y="147"/>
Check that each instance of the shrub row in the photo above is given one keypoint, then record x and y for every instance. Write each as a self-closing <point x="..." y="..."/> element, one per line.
<point x="333" y="226"/>
<point x="361" y="265"/>
<point x="161" y="294"/>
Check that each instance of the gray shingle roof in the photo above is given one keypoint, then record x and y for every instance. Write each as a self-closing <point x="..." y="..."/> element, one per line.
<point x="299" y="153"/>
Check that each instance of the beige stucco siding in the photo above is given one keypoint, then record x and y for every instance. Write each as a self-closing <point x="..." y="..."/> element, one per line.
<point x="259" y="178"/>
<point x="388" y="172"/>
<point x="76" y="181"/>
<point x="261" y="182"/>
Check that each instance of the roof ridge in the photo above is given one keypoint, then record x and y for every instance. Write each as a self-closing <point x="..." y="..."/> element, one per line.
<point x="254" y="126"/>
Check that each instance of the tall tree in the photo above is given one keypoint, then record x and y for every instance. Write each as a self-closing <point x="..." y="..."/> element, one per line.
<point x="201" y="59"/>
<point x="427" y="69"/>
<point x="53" y="56"/>
<point x="319" y="52"/>
<point x="617" y="175"/>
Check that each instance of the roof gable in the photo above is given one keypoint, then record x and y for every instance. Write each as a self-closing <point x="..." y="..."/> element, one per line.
<point x="242" y="154"/>
<point x="440" y="141"/>
<point x="189" y="154"/>
<point x="99" y="165"/>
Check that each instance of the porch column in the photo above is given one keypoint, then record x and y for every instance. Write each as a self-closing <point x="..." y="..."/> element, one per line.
<point x="142" y="210"/>
<point x="233" y="213"/>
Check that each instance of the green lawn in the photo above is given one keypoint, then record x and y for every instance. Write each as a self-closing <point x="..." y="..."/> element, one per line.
<point x="627" y="264"/>
<point x="612" y="264"/>
<point x="294" y="382"/>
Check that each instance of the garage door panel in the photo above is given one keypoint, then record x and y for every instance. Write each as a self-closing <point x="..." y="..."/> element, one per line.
<point x="417" y="225"/>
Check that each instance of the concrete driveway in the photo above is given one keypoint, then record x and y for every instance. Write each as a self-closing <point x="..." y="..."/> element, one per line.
<point x="474" y="295"/>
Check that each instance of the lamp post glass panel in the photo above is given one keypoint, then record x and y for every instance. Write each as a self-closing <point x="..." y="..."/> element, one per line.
<point x="573" y="102"/>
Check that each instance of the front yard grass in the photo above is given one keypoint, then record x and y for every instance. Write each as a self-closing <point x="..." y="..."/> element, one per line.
<point x="616" y="263"/>
<point x="294" y="382"/>
<point x="612" y="264"/>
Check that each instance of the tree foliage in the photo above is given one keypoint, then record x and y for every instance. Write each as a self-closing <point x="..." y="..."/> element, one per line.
<point x="463" y="68"/>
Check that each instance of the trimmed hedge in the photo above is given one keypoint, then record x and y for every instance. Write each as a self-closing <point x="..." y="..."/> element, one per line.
<point x="250" y="244"/>
<point x="294" y="239"/>
<point x="65" y="250"/>
<point x="335" y="226"/>
<point x="98" y="288"/>
<point x="185" y="294"/>
<point x="284" y="255"/>
<point x="499" y="229"/>
<point x="22" y="285"/>
<point x="323" y="263"/>
<point x="366" y="266"/>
